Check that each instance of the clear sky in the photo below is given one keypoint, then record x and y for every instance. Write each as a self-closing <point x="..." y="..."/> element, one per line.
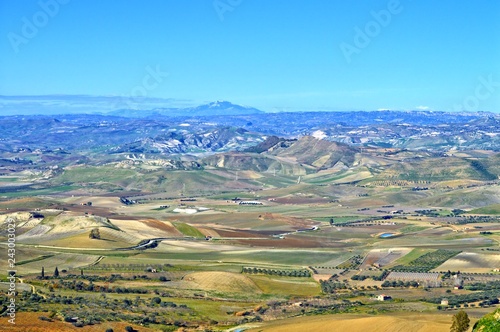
<point x="275" y="55"/>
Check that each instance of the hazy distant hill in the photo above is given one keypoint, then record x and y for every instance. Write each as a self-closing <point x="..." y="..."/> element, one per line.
<point x="175" y="142"/>
<point x="218" y="108"/>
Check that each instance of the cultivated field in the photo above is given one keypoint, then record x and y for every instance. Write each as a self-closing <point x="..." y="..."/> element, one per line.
<point x="472" y="262"/>
<point x="379" y="323"/>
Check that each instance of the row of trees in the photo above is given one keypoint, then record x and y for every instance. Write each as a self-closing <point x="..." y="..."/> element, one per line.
<point x="54" y="275"/>
<point x="80" y="286"/>
<point x="331" y="286"/>
<point x="399" y="283"/>
<point x="283" y="273"/>
<point x="490" y="295"/>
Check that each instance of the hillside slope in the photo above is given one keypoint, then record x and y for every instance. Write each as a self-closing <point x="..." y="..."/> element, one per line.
<point x="489" y="323"/>
<point x="318" y="153"/>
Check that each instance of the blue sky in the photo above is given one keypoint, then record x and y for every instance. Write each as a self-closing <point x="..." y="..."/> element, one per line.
<point x="281" y="55"/>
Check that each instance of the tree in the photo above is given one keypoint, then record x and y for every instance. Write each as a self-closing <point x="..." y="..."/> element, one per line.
<point x="56" y="272"/>
<point x="460" y="322"/>
<point x="43" y="272"/>
<point x="94" y="234"/>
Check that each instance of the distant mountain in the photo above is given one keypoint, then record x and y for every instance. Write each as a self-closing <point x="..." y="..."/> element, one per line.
<point x="221" y="108"/>
<point x="217" y="108"/>
<point x="81" y="104"/>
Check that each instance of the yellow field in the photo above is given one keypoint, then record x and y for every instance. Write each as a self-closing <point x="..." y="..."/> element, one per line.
<point x="221" y="281"/>
<point x="471" y="262"/>
<point x="110" y="239"/>
<point x="60" y="260"/>
<point x="352" y="323"/>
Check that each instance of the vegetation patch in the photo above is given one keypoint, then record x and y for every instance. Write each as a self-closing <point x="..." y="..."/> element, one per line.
<point x="428" y="261"/>
<point x="277" y="272"/>
<point x="286" y="286"/>
<point x="33" y="259"/>
<point x="188" y="230"/>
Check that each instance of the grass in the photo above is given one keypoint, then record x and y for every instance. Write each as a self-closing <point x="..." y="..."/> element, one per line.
<point x="338" y="219"/>
<point x="94" y="174"/>
<point x="214" y="309"/>
<point x="411" y="256"/>
<point x="286" y="257"/>
<point x="24" y="203"/>
<point x="428" y="261"/>
<point x="490" y="209"/>
<point x="266" y="258"/>
<point x="188" y="230"/>
<point x="38" y="192"/>
<point x="355" y="323"/>
<point x="62" y="261"/>
<point x="286" y="286"/>
<point x="412" y="229"/>
<point x="222" y="282"/>
<point x="9" y="179"/>
<point x="33" y="260"/>
<point x="326" y="179"/>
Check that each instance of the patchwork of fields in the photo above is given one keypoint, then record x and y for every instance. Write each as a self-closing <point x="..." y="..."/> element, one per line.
<point x="314" y="253"/>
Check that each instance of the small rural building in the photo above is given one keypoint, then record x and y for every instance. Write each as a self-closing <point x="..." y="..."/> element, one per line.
<point x="444" y="302"/>
<point x="383" y="297"/>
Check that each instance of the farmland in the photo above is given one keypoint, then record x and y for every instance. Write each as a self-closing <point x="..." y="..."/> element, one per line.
<point x="313" y="252"/>
<point x="413" y="323"/>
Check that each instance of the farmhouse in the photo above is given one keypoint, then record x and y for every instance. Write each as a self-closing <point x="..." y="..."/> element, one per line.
<point x="444" y="302"/>
<point x="383" y="297"/>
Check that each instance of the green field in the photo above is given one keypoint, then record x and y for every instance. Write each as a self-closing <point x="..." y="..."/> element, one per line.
<point x="188" y="230"/>
<point x="491" y="209"/>
<point x="286" y="286"/>
<point x="38" y="192"/>
<point x="411" y="256"/>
